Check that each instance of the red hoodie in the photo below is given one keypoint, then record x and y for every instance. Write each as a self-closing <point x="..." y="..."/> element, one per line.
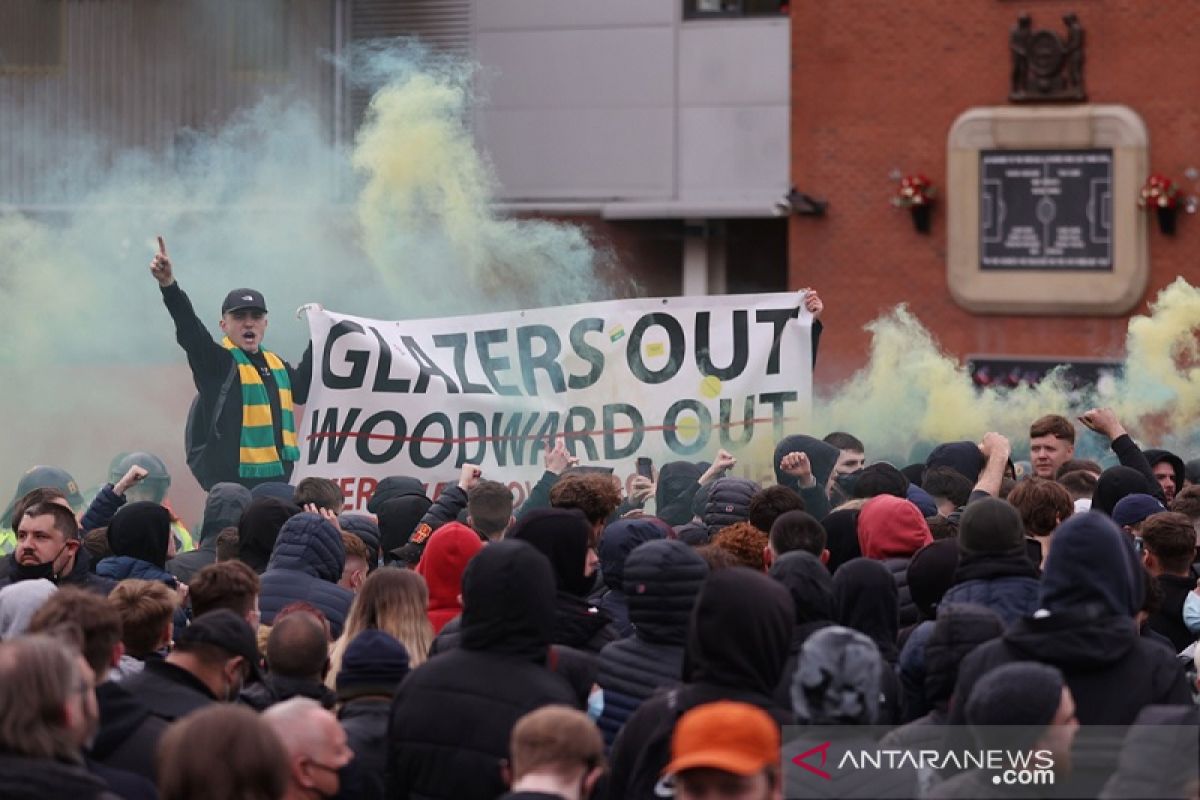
<point x="442" y="566"/>
<point x="891" y="527"/>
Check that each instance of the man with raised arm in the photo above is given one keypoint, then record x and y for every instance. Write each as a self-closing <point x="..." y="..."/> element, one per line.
<point x="247" y="393"/>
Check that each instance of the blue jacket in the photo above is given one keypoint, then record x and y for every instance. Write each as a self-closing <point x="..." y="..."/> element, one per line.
<point x="120" y="568"/>
<point x="306" y="564"/>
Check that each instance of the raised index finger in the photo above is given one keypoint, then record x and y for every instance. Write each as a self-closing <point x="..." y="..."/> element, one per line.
<point x="162" y="247"/>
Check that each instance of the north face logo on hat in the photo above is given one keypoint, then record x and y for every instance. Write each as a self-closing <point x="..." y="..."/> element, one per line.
<point x="247" y="297"/>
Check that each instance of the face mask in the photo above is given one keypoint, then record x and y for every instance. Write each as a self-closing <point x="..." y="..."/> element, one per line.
<point x="33" y="572"/>
<point x="1191" y="613"/>
<point x="595" y="704"/>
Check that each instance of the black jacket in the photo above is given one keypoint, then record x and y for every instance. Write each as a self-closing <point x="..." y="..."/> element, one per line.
<point x="452" y="716"/>
<point x="129" y="732"/>
<point x="306" y="564"/>
<point x="211" y="363"/>
<point x="1091" y="589"/>
<point x="808" y="582"/>
<point x="738" y="640"/>
<point x="663" y="578"/>
<point x="365" y="721"/>
<point x="1168" y="620"/>
<point x="81" y="575"/>
<point x="273" y="689"/>
<point x="45" y="779"/>
<point x="616" y="543"/>
<point x="678" y="482"/>
<point x="868" y="601"/>
<point x="170" y="692"/>
<point x="726" y="502"/>
<point x="222" y="509"/>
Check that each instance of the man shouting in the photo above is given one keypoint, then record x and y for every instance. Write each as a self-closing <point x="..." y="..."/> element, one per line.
<point x="243" y="428"/>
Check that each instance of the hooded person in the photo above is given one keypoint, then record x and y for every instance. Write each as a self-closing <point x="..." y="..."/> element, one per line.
<point x="822" y="457"/>
<point x="811" y="588"/>
<point x="841" y="537"/>
<point x="870" y="605"/>
<point x="563" y="535"/>
<point x="1014" y="708"/>
<point x="662" y="579"/>
<point x="891" y="530"/>
<point x="398" y="517"/>
<point x="306" y="565"/>
<point x="739" y="635"/>
<point x="959" y="629"/>
<point x="725" y="502"/>
<point x="140" y="539"/>
<point x="1169" y="471"/>
<point x="258" y="529"/>
<point x="393" y="487"/>
<point x="678" y="482"/>
<point x="618" y="540"/>
<point x="452" y="716"/>
<point x="445" y="559"/>
<point x="223" y="508"/>
<point x="838" y="682"/>
<point x="1116" y="483"/>
<point x="1092" y="586"/>
<point x="19" y="602"/>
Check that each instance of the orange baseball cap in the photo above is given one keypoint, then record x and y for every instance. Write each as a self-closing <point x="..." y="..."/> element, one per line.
<point x="732" y="737"/>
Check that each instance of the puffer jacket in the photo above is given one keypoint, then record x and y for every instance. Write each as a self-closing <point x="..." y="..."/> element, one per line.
<point x="306" y="564"/>
<point x="909" y="613"/>
<point x="619" y="539"/>
<point x="662" y="579"/>
<point x="120" y="568"/>
<point x="727" y="503"/>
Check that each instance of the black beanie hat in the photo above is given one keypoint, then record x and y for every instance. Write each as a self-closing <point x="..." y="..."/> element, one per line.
<point x="931" y="574"/>
<point x="1024" y="693"/>
<point x="373" y="664"/>
<point x="990" y="525"/>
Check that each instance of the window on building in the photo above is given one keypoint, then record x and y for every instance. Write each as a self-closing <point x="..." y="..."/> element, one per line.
<point x="260" y="37"/>
<point x="32" y="34"/>
<point x="702" y="9"/>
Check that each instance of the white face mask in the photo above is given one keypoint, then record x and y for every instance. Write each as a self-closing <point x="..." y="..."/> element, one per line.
<point x="1191" y="613"/>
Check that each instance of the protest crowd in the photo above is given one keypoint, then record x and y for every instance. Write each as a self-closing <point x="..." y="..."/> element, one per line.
<point x="593" y="641"/>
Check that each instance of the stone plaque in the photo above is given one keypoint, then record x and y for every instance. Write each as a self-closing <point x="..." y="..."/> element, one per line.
<point x="1046" y="209"/>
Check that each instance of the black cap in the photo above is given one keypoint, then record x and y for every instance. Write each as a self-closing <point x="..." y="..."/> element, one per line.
<point x="224" y="629"/>
<point x="239" y="299"/>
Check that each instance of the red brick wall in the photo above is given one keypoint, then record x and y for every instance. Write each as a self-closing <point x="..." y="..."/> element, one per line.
<point x="876" y="87"/>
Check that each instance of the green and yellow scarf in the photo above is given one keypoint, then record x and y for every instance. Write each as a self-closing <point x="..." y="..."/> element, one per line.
<point x="258" y="457"/>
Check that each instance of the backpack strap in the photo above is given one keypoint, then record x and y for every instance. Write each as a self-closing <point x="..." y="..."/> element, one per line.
<point x="220" y="404"/>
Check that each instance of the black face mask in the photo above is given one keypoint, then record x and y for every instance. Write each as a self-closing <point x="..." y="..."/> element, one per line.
<point x="33" y="572"/>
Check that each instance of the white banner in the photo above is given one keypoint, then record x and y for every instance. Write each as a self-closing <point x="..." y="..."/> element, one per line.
<point x="673" y="378"/>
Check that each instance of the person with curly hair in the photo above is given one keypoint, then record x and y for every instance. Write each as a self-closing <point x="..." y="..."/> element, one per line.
<point x="745" y="543"/>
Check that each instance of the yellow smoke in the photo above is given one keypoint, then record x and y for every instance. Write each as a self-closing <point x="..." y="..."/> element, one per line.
<point x="911" y="392"/>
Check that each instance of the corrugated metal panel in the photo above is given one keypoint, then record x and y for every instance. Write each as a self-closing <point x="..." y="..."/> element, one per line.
<point x="444" y="25"/>
<point x="140" y="74"/>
